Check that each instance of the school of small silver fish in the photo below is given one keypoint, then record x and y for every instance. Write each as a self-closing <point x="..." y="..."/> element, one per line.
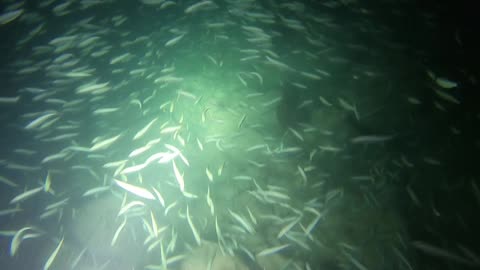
<point x="140" y="134"/>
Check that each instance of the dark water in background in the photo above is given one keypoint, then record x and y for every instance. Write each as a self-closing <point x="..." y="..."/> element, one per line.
<point x="398" y="39"/>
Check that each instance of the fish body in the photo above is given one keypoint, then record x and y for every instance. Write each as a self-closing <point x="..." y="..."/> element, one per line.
<point x="139" y="191"/>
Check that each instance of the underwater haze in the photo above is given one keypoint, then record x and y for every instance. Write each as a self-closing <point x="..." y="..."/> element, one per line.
<point x="239" y="135"/>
